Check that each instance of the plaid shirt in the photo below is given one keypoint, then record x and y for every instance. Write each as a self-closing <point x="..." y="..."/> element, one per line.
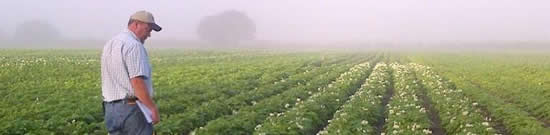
<point x="124" y="57"/>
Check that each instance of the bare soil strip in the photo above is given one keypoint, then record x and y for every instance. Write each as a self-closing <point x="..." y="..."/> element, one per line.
<point x="379" y="125"/>
<point x="433" y="113"/>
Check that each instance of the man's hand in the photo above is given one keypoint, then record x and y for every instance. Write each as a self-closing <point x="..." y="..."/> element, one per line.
<point x="155" y="116"/>
<point x="140" y="90"/>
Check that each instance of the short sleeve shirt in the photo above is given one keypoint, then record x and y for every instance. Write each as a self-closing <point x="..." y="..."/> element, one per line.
<point x="124" y="57"/>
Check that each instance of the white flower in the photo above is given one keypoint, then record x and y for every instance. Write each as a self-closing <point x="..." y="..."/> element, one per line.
<point x="415" y="126"/>
<point x="465" y="113"/>
<point x="422" y="110"/>
<point x="258" y="127"/>
<point x="299" y="126"/>
<point x="426" y="131"/>
<point x="364" y="122"/>
<point x="485" y="123"/>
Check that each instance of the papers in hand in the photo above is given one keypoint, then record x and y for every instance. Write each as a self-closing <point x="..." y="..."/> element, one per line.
<point x="146" y="111"/>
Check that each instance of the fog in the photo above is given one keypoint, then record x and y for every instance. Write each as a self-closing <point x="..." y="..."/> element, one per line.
<point x="298" y="20"/>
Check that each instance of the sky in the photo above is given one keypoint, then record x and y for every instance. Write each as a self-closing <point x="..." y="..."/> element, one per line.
<point x="298" y="20"/>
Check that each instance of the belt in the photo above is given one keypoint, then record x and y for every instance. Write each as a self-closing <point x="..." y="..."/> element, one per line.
<point x="130" y="101"/>
<point x="125" y="101"/>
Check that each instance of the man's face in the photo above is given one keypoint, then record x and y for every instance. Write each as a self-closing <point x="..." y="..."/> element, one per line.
<point x="143" y="31"/>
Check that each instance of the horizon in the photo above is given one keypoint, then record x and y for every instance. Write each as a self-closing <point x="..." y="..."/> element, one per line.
<point x="300" y="21"/>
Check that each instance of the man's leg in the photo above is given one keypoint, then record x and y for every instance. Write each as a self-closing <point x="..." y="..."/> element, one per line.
<point x="136" y="123"/>
<point x="112" y="118"/>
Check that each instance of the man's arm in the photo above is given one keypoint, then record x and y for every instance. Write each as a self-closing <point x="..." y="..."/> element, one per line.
<point x="140" y="90"/>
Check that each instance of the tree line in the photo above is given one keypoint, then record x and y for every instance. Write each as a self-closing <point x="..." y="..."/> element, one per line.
<point x="230" y="26"/>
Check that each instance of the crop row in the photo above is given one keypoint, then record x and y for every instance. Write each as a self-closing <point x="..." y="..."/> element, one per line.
<point x="459" y="114"/>
<point x="406" y="115"/>
<point x="308" y="117"/>
<point x="359" y="114"/>
<point x="246" y="119"/>
<point x="199" y="116"/>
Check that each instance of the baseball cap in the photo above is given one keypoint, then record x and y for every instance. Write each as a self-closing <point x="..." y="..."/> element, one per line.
<point x="146" y="17"/>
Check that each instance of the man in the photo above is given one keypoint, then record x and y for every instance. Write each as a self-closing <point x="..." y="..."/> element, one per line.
<point x="126" y="79"/>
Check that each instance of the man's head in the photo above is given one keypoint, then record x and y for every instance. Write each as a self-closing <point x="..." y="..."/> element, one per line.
<point x="142" y="23"/>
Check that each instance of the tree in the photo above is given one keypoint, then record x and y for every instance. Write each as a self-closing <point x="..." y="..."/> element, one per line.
<point x="229" y="26"/>
<point x="36" y="30"/>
